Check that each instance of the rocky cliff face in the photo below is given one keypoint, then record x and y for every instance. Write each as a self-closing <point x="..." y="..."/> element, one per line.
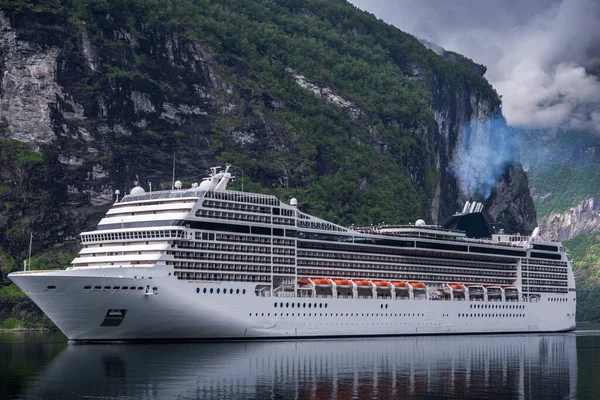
<point x="89" y="106"/>
<point x="581" y="219"/>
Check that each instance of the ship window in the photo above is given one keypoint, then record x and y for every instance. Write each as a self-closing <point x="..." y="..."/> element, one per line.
<point x="106" y="287"/>
<point x="309" y="305"/>
<point x="211" y="290"/>
<point x="125" y="287"/>
<point x="281" y="305"/>
<point x="275" y="305"/>
<point x="87" y="287"/>
<point x="116" y="287"/>
<point x="325" y="305"/>
<point x="197" y="290"/>
<point x="237" y="291"/>
<point x="244" y="291"/>
<point x="230" y="291"/>
<point x="51" y="287"/>
<point x="204" y="290"/>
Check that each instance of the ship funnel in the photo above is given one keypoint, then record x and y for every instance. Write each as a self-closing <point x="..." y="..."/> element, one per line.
<point x="472" y="208"/>
<point x="466" y="207"/>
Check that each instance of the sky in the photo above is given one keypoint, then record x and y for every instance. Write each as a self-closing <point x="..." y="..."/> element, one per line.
<point x="543" y="56"/>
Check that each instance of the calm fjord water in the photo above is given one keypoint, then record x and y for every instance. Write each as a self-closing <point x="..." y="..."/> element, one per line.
<point x="40" y="365"/>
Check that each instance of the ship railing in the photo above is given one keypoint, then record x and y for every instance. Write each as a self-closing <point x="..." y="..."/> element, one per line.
<point x="284" y="294"/>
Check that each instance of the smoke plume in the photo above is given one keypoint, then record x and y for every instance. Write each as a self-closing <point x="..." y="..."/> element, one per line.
<point x="543" y="56"/>
<point x="487" y="148"/>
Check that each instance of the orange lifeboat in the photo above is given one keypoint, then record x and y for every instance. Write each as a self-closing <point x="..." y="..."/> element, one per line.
<point x="321" y="281"/>
<point x="381" y="284"/>
<point x="400" y="285"/>
<point x="303" y="282"/>
<point x="456" y="286"/>
<point x="363" y="284"/>
<point x="418" y="285"/>
<point x="342" y="282"/>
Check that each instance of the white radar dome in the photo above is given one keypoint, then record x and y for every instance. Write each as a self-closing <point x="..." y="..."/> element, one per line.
<point x="177" y="184"/>
<point x="205" y="185"/>
<point x="420" y="222"/>
<point x="137" y="191"/>
<point x="293" y="202"/>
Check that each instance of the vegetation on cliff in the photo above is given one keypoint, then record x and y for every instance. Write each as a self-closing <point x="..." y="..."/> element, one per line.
<point x="221" y="81"/>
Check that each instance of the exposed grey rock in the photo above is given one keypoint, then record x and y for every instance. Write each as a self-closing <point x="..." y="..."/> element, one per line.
<point x="581" y="219"/>
<point x="29" y="86"/>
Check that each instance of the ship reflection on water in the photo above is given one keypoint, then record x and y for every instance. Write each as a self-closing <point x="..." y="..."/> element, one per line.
<point x="500" y="366"/>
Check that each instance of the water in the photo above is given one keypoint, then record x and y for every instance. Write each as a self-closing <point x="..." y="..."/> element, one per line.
<point x="42" y="365"/>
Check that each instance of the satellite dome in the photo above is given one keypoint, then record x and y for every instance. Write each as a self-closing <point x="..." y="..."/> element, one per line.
<point x="205" y="185"/>
<point x="177" y="184"/>
<point x="420" y="222"/>
<point x="137" y="191"/>
<point x="194" y="185"/>
<point x="293" y="202"/>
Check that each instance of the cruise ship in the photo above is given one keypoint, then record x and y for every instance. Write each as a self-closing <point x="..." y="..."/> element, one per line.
<point x="208" y="263"/>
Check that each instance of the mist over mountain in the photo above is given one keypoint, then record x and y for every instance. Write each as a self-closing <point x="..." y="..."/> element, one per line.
<point x="543" y="56"/>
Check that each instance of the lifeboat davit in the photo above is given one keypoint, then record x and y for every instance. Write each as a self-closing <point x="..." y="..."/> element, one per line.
<point x="418" y="285"/>
<point x="382" y="284"/>
<point x="363" y="284"/>
<point x="400" y="285"/>
<point x="342" y="282"/>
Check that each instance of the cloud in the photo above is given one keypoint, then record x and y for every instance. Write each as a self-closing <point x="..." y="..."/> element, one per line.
<point x="543" y="56"/>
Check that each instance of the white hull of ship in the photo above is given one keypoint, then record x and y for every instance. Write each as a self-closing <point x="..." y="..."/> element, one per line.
<point x="176" y="311"/>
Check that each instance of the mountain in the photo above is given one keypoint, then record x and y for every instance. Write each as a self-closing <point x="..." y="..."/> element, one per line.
<point x="312" y="99"/>
<point x="564" y="169"/>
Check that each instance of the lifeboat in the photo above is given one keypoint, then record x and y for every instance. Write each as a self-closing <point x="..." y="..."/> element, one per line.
<point x="418" y="285"/>
<point x="456" y="286"/>
<point x="382" y="284"/>
<point x="303" y="282"/>
<point x="342" y="282"/>
<point x="400" y="285"/>
<point x="363" y="284"/>
<point x="321" y="281"/>
<point x="511" y="291"/>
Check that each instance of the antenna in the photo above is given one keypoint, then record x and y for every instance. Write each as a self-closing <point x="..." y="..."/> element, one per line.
<point x="30" y="242"/>
<point x="150" y="185"/>
<point x="242" y="180"/>
<point x="173" y="182"/>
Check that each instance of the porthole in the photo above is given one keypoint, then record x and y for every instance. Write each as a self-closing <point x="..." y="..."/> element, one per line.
<point x="211" y="290"/>
<point x="298" y="305"/>
<point x="218" y="290"/>
<point x="292" y="305"/>
<point x="244" y="291"/>
<point x="287" y="305"/>
<point x="381" y="306"/>
<point x="281" y="305"/>
<point x="237" y="291"/>
<point x="230" y="291"/>
<point x="320" y="305"/>
<point x="197" y="290"/>
<point x="204" y="290"/>
<point x="325" y="305"/>
<point x="309" y="305"/>
<point x="386" y="306"/>
<point x="304" y="305"/>
<point x="275" y="305"/>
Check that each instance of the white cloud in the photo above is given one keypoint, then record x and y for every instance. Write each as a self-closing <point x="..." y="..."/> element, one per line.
<point x="540" y="54"/>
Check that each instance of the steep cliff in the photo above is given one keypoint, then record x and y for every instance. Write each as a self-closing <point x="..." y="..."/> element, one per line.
<point x="312" y="99"/>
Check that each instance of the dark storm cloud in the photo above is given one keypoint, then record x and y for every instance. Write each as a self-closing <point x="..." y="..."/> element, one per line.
<point x="543" y="56"/>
